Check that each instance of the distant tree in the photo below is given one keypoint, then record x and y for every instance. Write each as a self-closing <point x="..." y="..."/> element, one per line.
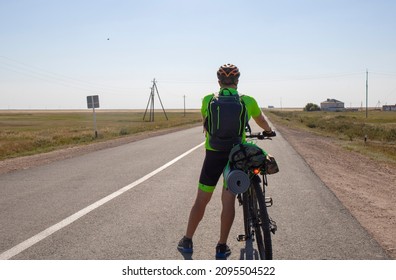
<point x="311" y="107"/>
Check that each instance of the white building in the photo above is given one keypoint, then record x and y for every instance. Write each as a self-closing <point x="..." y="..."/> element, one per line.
<point x="332" y="105"/>
<point x="389" y="108"/>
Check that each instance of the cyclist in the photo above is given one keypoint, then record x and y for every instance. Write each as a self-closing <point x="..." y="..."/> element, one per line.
<point x="214" y="164"/>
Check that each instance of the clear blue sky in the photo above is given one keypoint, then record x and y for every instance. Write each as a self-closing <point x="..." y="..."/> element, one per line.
<point x="55" y="53"/>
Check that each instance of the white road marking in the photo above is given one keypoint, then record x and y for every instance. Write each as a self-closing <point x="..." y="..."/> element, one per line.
<point x="47" y="232"/>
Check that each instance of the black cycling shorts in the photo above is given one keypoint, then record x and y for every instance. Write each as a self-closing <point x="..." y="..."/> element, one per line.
<point x="212" y="168"/>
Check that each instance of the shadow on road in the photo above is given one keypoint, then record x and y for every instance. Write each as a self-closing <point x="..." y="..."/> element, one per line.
<point x="245" y="254"/>
<point x="249" y="254"/>
<point x="186" y="256"/>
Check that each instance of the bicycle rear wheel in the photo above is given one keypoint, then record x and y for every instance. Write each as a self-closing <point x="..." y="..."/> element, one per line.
<point x="264" y="224"/>
<point x="258" y="236"/>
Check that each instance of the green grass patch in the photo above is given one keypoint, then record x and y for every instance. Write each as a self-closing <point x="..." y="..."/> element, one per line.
<point x="30" y="133"/>
<point x="352" y="128"/>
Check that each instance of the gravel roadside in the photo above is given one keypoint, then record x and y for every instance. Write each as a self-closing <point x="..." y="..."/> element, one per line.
<point x="365" y="187"/>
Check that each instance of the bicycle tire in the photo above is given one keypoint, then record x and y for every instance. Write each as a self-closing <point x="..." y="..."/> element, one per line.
<point x="248" y="251"/>
<point x="265" y="222"/>
<point x="257" y="229"/>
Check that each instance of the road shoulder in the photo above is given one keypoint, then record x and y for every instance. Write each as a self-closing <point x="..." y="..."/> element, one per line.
<point x="365" y="187"/>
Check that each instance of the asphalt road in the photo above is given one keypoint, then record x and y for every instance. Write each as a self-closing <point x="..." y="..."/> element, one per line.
<point x="123" y="203"/>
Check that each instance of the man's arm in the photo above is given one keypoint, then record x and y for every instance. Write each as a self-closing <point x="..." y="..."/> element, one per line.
<point x="262" y="122"/>
<point x="204" y="124"/>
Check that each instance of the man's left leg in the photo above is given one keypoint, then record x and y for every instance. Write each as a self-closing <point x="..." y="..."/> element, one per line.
<point x="227" y="219"/>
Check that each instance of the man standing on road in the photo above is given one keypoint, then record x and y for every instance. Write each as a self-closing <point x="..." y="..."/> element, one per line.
<point x="216" y="157"/>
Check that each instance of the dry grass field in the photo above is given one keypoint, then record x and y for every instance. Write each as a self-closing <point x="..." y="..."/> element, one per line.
<point x="31" y="132"/>
<point x="374" y="136"/>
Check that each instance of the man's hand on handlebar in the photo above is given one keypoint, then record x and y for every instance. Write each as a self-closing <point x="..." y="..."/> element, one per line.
<point x="270" y="133"/>
<point x="262" y="135"/>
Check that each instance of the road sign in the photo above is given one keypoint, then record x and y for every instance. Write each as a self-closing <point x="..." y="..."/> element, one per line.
<point x="93" y="101"/>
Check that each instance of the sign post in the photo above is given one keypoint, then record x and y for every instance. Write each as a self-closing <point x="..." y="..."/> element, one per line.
<point x="93" y="102"/>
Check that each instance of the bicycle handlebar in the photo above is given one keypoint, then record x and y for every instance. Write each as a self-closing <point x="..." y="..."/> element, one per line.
<point x="262" y="135"/>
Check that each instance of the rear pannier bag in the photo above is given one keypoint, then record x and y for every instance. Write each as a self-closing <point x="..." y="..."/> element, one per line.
<point x="248" y="156"/>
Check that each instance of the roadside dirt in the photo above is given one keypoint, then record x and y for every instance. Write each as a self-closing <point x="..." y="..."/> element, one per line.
<point x="366" y="188"/>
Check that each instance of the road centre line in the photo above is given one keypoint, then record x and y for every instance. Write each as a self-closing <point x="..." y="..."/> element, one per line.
<point x="67" y="221"/>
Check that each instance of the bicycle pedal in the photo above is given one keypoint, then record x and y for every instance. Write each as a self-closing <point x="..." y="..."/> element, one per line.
<point x="241" y="238"/>
<point x="273" y="226"/>
<point x="269" y="201"/>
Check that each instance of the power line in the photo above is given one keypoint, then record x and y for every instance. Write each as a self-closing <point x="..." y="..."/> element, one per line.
<point x="37" y="73"/>
<point x="308" y="77"/>
<point x="51" y="77"/>
<point x="384" y="74"/>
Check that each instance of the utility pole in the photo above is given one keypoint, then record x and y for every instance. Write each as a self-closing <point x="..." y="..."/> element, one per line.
<point x="366" y="93"/>
<point x="151" y="102"/>
<point x="184" y="99"/>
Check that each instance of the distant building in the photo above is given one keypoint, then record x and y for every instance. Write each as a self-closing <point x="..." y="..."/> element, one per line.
<point x="332" y="105"/>
<point x="389" y="107"/>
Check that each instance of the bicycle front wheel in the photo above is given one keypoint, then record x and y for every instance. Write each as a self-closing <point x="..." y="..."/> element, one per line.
<point x="264" y="223"/>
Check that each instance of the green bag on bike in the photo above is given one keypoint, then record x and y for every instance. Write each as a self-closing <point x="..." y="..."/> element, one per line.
<point x="248" y="156"/>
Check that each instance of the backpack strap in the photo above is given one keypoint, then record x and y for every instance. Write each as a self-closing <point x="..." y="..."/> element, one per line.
<point x="243" y="114"/>
<point x="209" y="114"/>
